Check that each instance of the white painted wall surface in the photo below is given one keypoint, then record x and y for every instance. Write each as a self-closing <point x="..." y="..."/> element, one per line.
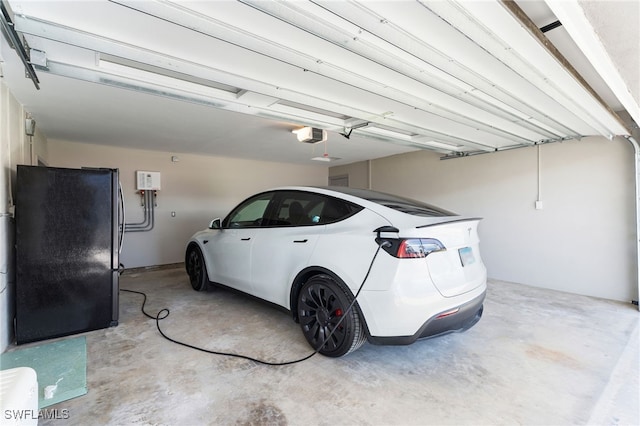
<point x="9" y="110"/>
<point x="14" y="149"/>
<point x="581" y="242"/>
<point x="197" y="188"/>
<point x="358" y="173"/>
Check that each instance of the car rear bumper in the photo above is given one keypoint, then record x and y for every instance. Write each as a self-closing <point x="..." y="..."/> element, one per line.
<point x="467" y="315"/>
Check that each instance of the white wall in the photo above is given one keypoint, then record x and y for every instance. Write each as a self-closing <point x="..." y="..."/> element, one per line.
<point x="358" y="173"/>
<point x="15" y="148"/>
<point x="198" y="188"/>
<point x="583" y="241"/>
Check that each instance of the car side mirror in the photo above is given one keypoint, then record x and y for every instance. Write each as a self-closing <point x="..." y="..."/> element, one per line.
<point x="215" y="224"/>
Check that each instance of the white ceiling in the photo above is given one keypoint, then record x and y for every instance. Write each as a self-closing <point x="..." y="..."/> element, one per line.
<point x="455" y="77"/>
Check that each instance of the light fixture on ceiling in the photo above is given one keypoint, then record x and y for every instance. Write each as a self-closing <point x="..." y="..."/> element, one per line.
<point x="171" y="90"/>
<point x="115" y="63"/>
<point x="309" y="108"/>
<point x="325" y="157"/>
<point x="430" y="143"/>
<point x="312" y="116"/>
<point x="390" y="132"/>
<point x="166" y="79"/>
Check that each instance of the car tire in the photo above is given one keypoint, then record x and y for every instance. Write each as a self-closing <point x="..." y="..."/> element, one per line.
<point x="322" y="301"/>
<point x="196" y="268"/>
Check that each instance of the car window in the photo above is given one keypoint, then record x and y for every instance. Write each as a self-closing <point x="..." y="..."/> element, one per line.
<point x="299" y="208"/>
<point x="250" y="213"/>
<point x="335" y="209"/>
<point x="405" y="205"/>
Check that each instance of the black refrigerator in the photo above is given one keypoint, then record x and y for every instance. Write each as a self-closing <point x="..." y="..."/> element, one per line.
<point x="67" y="251"/>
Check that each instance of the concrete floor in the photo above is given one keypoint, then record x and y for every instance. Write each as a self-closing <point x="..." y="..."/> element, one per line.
<point x="537" y="357"/>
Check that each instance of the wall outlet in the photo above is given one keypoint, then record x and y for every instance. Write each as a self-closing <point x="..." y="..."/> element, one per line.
<point x="539" y="205"/>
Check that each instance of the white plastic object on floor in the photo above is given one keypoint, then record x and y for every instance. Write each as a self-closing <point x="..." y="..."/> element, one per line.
<point x="19" y="396"/>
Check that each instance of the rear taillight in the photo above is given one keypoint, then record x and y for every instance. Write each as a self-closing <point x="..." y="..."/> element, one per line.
<point x="448" y="313"/>
<point x="411" y="248"/>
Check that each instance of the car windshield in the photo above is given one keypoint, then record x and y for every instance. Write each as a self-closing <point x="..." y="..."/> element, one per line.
<point x="405" y="205"/>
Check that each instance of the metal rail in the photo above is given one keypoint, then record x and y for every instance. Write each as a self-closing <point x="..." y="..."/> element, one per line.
<point x="14" y="39"/>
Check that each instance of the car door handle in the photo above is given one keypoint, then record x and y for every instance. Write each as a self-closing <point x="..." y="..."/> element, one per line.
<point x="245" y="239"/>
<point x="300" y="241"/>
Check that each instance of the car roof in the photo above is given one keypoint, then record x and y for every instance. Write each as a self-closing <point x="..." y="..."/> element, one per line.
<point x="367" y="198"/>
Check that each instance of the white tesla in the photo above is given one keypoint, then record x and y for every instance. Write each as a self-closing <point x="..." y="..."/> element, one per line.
<point x="415" y="269"/>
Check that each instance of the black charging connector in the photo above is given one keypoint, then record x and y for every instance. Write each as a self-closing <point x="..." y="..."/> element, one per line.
<point x="390" y="245"/>
<point x="164" y="313"/>
<point x="382" y="229"/>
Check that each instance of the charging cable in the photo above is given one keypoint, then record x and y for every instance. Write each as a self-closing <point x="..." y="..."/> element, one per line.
<point x="164" y="313"/>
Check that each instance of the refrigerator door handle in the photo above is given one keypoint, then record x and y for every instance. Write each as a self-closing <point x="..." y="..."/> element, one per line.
<point x="121" y="225"/>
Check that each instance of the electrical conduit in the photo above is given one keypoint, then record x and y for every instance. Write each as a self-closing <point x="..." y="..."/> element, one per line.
<point x="636" y="155"/>
<point x="149" y="215"/>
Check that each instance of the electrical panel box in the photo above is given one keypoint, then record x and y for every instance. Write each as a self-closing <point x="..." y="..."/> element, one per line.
<point x="147" y="180"/>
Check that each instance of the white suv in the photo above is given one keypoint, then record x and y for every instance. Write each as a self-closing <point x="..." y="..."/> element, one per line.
<point x="415" y="268"/>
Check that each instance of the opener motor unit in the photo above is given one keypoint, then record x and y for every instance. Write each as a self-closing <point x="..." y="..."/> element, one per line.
<point x="311" y="135"/>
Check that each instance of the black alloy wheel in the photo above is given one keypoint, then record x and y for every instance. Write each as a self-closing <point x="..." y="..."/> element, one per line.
<point x="322" y="304"/>
<point x="196" y="268"/>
